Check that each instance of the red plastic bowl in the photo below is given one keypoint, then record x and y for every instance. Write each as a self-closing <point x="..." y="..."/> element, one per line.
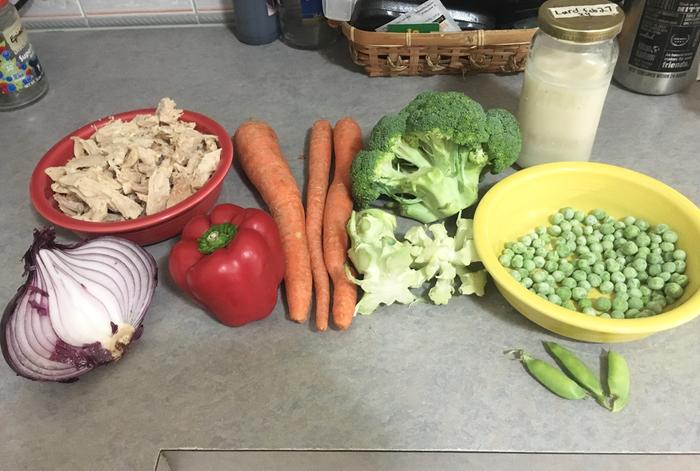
<point x="146" y="229"/>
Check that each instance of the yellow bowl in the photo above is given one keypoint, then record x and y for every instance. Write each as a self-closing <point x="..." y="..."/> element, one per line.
<point x="524" y="200"/>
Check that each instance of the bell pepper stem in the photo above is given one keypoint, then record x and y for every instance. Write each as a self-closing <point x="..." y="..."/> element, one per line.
<point x="218" y="236"/>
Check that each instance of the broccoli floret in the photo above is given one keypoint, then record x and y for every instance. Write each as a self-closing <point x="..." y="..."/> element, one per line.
<point x="504" y="141"/>
<point x="429" y="157"/>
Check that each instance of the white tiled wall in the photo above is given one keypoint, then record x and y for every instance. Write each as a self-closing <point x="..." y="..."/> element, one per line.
<point x="95" y="13"/>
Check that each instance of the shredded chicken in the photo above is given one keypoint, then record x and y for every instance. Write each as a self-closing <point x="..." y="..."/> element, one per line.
<point x="130" y="169"/>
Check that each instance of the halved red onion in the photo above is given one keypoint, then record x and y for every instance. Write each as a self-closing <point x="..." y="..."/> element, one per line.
<point x="79" y="308"/>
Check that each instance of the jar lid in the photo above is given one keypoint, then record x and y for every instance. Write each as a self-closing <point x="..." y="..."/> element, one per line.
<point x="581" y="21"/>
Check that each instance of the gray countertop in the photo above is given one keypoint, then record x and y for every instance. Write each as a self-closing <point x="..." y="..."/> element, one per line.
<point x="405" y="378"/>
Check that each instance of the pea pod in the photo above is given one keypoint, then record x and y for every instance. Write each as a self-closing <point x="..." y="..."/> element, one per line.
<point x="618" y="380"/>
<point x="551" y="378"/>
<point x="577" y="370"/>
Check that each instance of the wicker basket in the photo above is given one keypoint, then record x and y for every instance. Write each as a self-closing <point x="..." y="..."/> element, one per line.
<point x="389" y="54"/>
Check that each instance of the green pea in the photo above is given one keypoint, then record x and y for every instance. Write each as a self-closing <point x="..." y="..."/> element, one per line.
<point x="585" y="303"/>
<point x="635" y="302"/>
<point x="569" y="283"/>
<point x="519" y="248"/>
<point x="622" y="261"/>
<point x="656" y="306"/>
<point x="629" y="273"/>
<point x="590" y="220"/>
<point x="576" y="369"/>
<point x="587" y="230"/>
<point x="572" y="245"/>
<point x="565" y="226"/>
<point x="579" y="275"/>
<point x="526" y="282"/>
<point x="669" y="267"/>
<point x="523" y="273"/>
<point x="609" y="238"/>
<point x="539" y="276"/>
<point x="578" y="293"/>
<point x="602" y="304"/>
<point x="541" y="229"/>
<point x="604" y="315"/>
<point x="568" y="213"/>
<point x="606" y="287"/>
<point x="529" y="265"/>
<point x="619" y="304"/>
<point x="540" y="252"/>
<point x="517" y="261"/>
<point x="617" y="314"/>
<point x="630" y="232"/>
<point x="542" y="288"/>
<point x="569" y="304"/>
<point x="617" y="277"/>
<point x="556" y="218"/>
<point x="645" y="291"/>
<point x="635" y="292"/>
<point x="660" y="228"/>
<point x="525" y="240"/>
<point x="563" y="250"/>
<point x="558" y="276"/>
<point x="643" y="252"/>
<point x="656" y="238"/>
<point x="515" y="274"/>
<point x="657" y="282"/>
<point x="564" y="293"/>
<point x="598" y="268"/>
<point x="554" y="230"/>
<point x="673" y="290"/>
<point x="607" y="228"/>
<point x="631" y="284"/>
<point x="667" y="247"/>
<point x="589" y="311"/>
<point x="550" y="280"/>
<point x="642" y="276"/>
<point x="643" y="240"/>
<point x="682" y="280"/>
<point x="605" y="276"/>
<point x="642" y="224"/>
<point x="594" y="279"/>
<point x="619" y="236"/>
<point x="551" y="266"/>
<point x="584" y="284"/>
<point x="618" y="381"/>
<point x="551" y="378"/>
<point x="639" y="264"/>
<point x="630" y="248"/>
<point x="582" y="250"/>
<point x="567" y="268"/>
<point x="579" y="215"/>
<point x="654" y="269"/>
<point x="670" y="236"/>
<point x="504" y="260"/>
<point x="612" y="265"/>
<point x="555" y="299"/>
<point x="631" y="313"/>
<point x="529" y="252"/>
<point x="539" y="261"/>
<point x="610" y="254"/>
<point x="679" y="254"/>
<point x="596" y="247"/>
<point x="620" y="288"/>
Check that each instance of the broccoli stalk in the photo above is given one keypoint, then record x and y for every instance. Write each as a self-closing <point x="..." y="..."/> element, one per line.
<point x="428" y="159"/>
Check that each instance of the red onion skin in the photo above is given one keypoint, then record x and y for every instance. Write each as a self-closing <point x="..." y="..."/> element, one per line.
<point x="84" y="358"/>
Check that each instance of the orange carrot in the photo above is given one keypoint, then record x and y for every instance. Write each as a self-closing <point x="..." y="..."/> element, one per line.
<point x="260" y="156"/>
<point x="347" y="142"/>
<point x="320" y="150"/>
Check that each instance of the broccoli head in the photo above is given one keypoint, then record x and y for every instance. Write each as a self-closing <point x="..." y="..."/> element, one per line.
<point x="428" y="158"/>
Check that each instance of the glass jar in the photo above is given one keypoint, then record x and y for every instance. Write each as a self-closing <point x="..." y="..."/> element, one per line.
<point x="22" y="79"/>
<point x="571" y="60"/>
<point x="303" y="24"/>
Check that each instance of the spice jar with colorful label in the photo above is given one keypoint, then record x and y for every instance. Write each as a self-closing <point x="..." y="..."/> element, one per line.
<point x="567" y="76"/>
<point x="22" y="79"/>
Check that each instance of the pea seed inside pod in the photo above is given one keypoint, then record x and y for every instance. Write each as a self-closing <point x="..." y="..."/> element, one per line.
<point x="618" y="380"/>
<point x="551" y="378"/>
<point x="576" y="369"/>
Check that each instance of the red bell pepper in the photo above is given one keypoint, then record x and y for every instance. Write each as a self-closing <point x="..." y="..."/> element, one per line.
<point x="231" y="262"/>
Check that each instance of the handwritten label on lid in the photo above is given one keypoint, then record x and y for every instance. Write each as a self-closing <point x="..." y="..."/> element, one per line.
<point x="603" y="9"/>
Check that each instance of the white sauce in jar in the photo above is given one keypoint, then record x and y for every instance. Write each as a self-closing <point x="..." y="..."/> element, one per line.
<point x="560" y="106"/>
